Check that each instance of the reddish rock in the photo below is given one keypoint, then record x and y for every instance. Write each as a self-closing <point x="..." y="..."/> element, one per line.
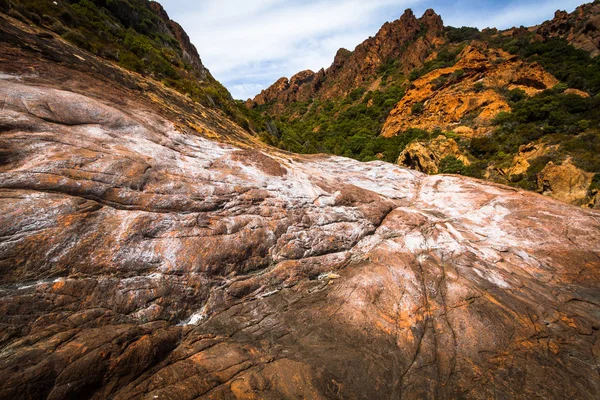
<point x="447" y="95"/>
<point x="299" y="87"/>
<point x="565" y="182"/>
<point x="408" y="38"/>
<point x="149" y="248"/>
<point x="581" y="28"/>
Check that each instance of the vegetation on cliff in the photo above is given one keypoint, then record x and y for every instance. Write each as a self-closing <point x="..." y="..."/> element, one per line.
<point x="137" y="35"/>
<point x="563" y="116"/>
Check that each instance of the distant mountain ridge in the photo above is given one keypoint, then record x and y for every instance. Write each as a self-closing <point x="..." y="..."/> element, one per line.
<point x="581" y="27"/>
<point x="411" y="40"/>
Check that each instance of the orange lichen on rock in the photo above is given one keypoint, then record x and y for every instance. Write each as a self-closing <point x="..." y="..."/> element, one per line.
<point x="426" y="157"/>
<point x="565" y="182"/>
<point x="468" y="90"/>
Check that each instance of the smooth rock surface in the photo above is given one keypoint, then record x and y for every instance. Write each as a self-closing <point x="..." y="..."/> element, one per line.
<point x="141" y="262"/>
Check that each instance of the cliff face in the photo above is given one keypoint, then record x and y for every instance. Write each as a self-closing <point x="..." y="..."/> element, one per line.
<point x="469" y="88"/>
<point x="300" y="87"/>
<point x="581" y="28"/>
<point x="408" y="38"/>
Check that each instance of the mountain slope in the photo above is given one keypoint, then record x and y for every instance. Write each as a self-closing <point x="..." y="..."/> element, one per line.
<point x="470" y="87"/>
<point x="491" y="92"/>
<point x="151" y="248"/>
<point x="137" y="35"/>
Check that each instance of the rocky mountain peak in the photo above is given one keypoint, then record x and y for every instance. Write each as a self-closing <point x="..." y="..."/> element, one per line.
<point x="433" y="22"/>
<point x="302" y="77"/>
<point x="271" y="93"/>
<point x="401" y="39"/>
<point x="159" y="10"/>
<point x="581" y="28"/>
<point x="407" y="18"/>
<point x="561" y="15"/>
<point x="339" y="60"/>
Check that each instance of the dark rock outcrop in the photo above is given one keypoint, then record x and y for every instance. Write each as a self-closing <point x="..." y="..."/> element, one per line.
<point x="190" y="53"/>
<point x="299" y="87"/>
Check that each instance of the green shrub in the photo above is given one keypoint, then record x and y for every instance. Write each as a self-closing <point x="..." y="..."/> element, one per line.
<point x="356" y="94"/>
<point x="595" y="183"/>
<point x="417" y="108"/>
<point x="452" y="165"/>
<point x="560" y="87"/>
<point x="479" y="87"/>
<point x="4" y="5"/>
<point x="457" y="75"/>
<point x="516" y="95"/>
<point x="439" y="82"/>
<point x="58" y="27"/>
<point x="483" y="146"/>
<point x="465" y="33"/>
<point x="583" y="125"/>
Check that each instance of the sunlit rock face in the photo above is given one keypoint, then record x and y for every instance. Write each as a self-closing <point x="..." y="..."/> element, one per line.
<point x="140" y="257"/>
<point x="447" y="95"/>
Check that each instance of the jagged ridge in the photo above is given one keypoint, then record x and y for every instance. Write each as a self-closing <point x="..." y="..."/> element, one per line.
<point x="407" y="38"/>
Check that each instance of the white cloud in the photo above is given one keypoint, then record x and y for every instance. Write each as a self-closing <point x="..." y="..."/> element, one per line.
<point x="246" y="90"/>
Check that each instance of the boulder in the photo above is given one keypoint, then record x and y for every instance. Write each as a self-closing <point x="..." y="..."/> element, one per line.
<point x="565" y="182"/>
<point x="426" y="157"/>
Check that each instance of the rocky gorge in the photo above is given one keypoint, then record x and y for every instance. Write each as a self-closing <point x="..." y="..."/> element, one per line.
<point x="151" y="248"/>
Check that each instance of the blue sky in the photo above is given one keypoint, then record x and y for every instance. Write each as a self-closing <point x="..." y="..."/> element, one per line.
<point x="249" y="44"/>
